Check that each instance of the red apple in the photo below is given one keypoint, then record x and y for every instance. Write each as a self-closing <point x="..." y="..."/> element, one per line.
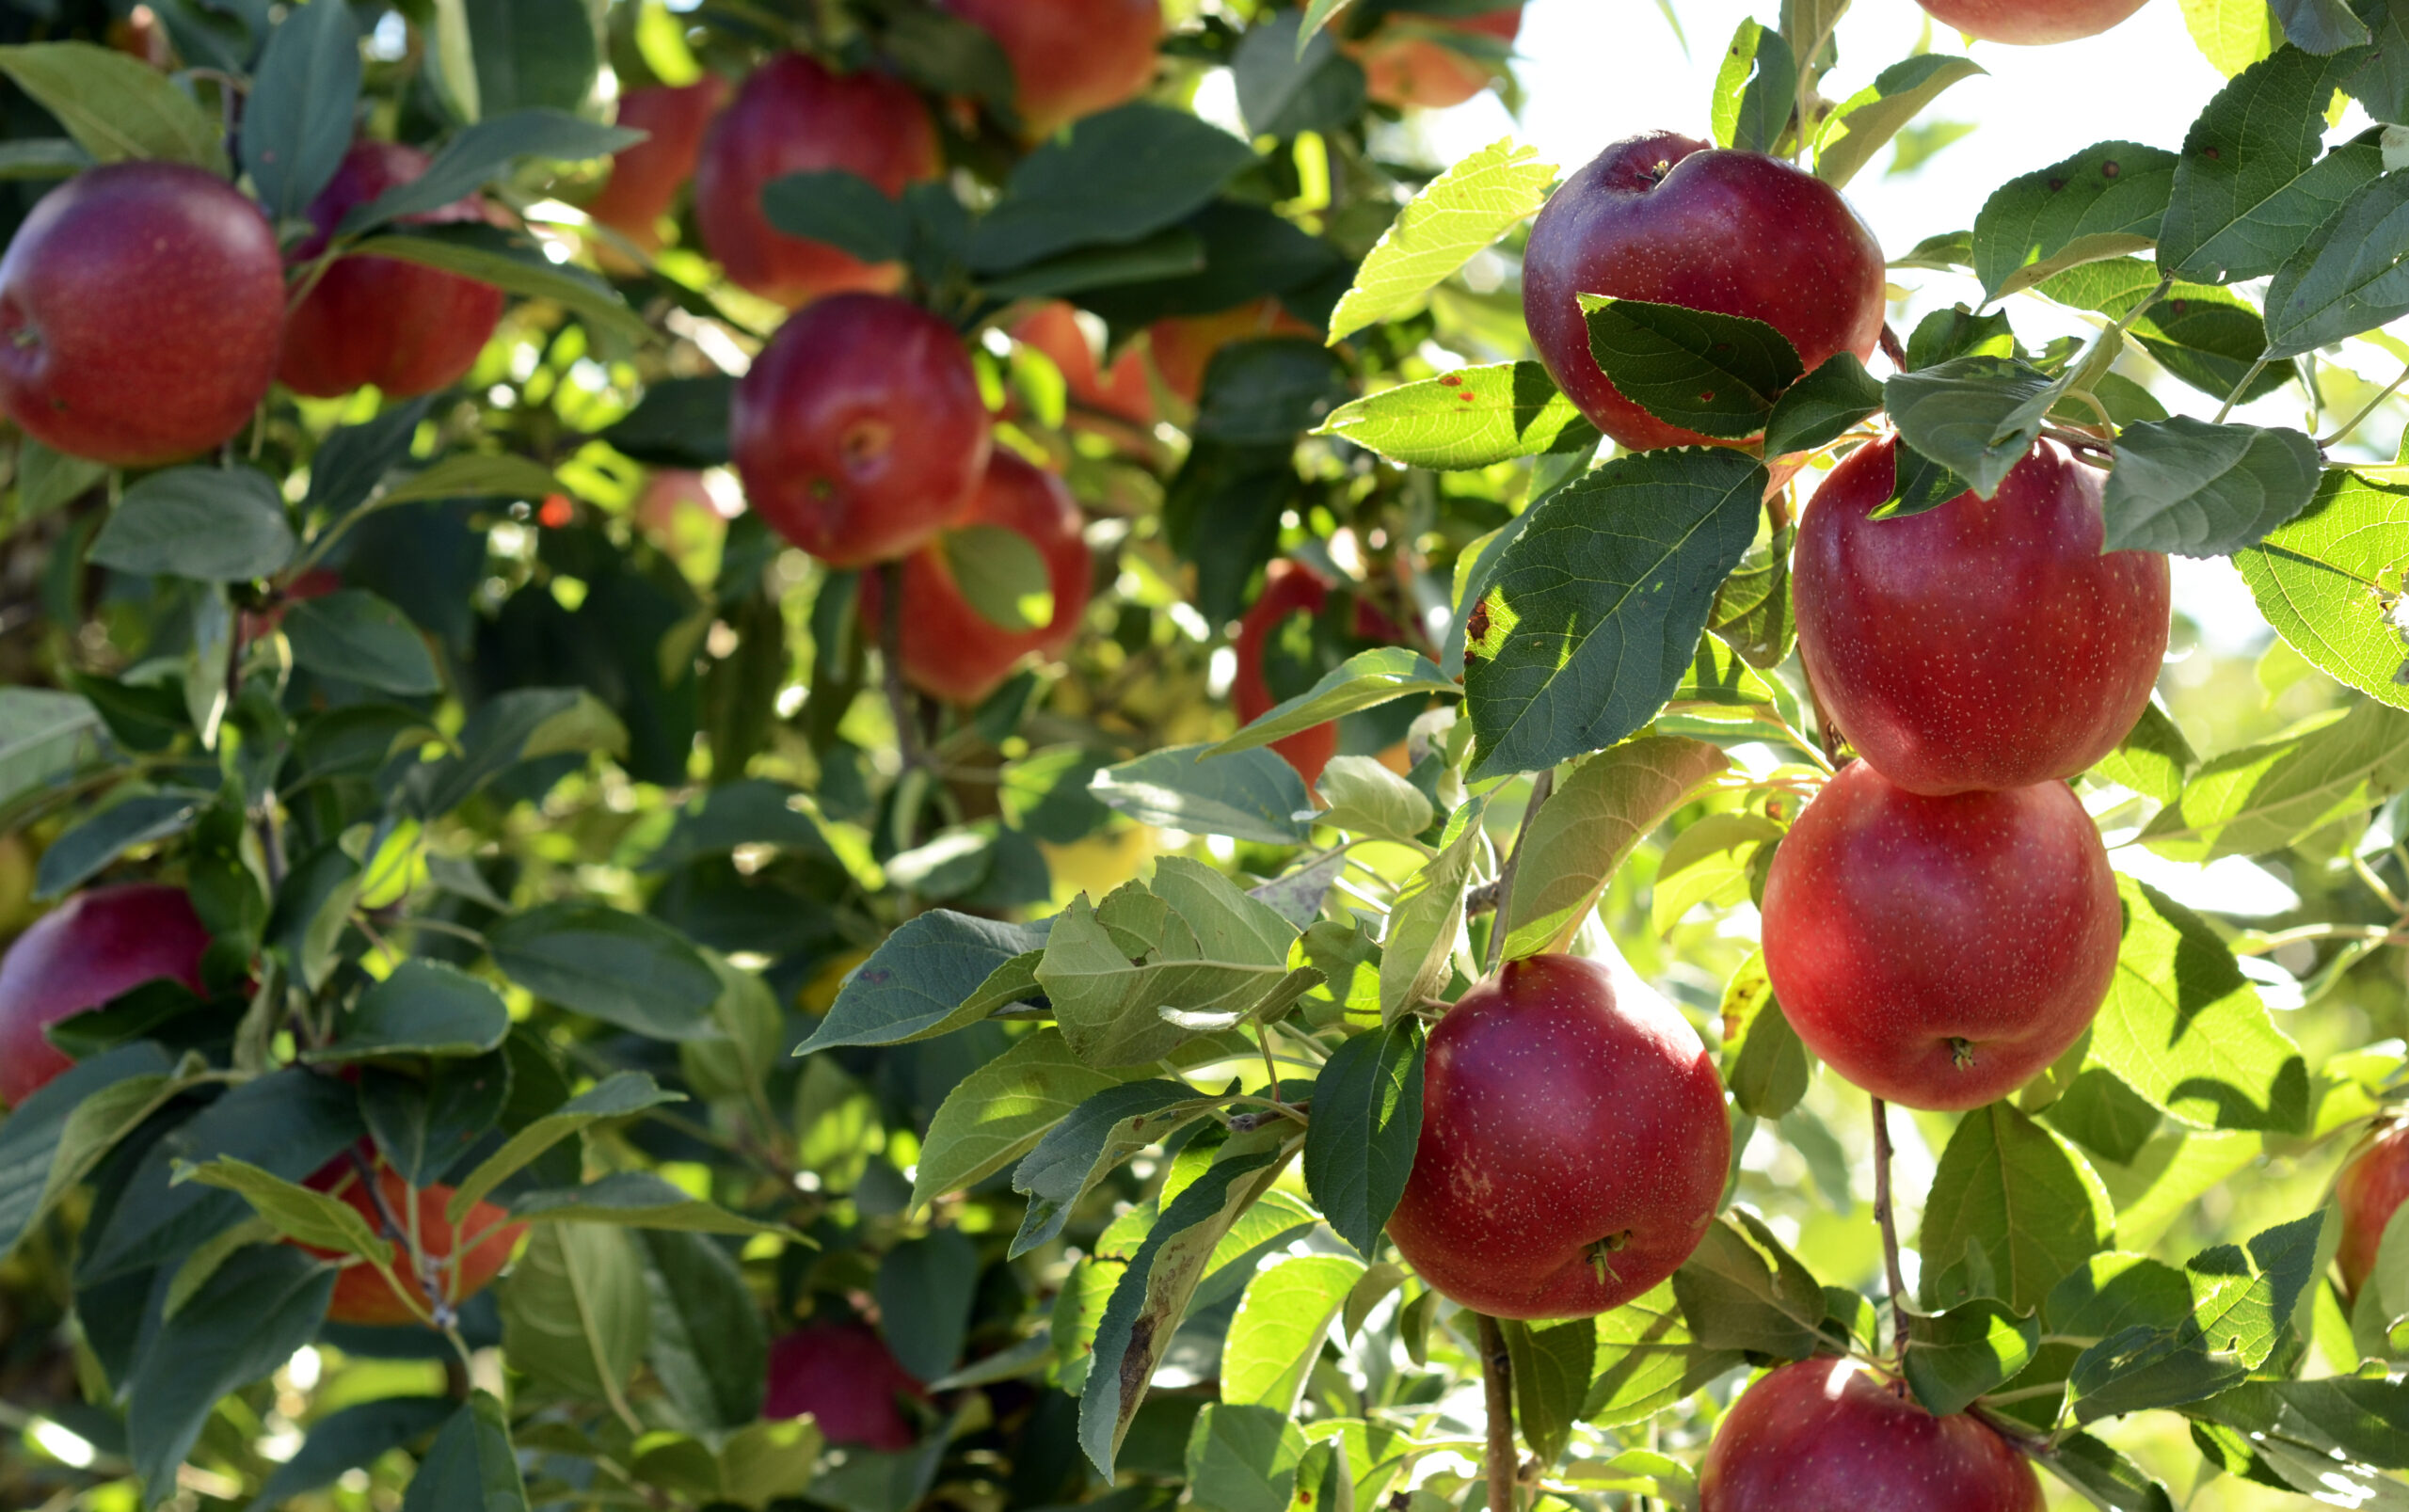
<point x="859" y="429"/>
<point x="1573" y="1143"/>
<point x="1940" y="952"/>
<point x="1830" y="1436"/>
<point x="404" y="327"/>
<point x="1070" y="57"/>
<point x="1406" y="68"/>
<point x="2029" y="22"/>
<point x="794" y="116"/>
<point x="140" y="308"/>
<point x="952" y="651"/>
<point x="845" y="1375"/>
<point x="1668" y="220"/>
<point x="1183" y="345"/>
<point x="90" y="948"/>
<point x="1119" y="392"/>
<point x="1983" y="643"/>
<point x="361" y="1294"/>
<point x="315" y="583"/>
<point x="2369" y="1190"/>
<point x="646" y="178"/>
<point x="1291" y="588"/>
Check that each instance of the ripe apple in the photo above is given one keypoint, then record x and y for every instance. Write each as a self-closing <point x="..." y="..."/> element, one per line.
<point x="1184" y="345"/>
<point x="1664" y="218"/>
<point x="1825" y="1434"/>
<point x="859" y="429"/>
<point x="140" y="308"/>
<point x="361" y="1294"/>
<point x="94" y="947"/>
<point x="794" y="116"/>
<point x="2369" y="1190"/>
<point x="1940" y="952"/>
<point x="1291" y="588"/>
<point x="1406" y="68"/>
<point x="1119" y="392"/>
<point x="1573" y="1143"/>
<point x="952" y="651"/>
<point x="843" y="1374"/>
<point x="1070" y="57"/>
<point x="1983" y="643"/>
<point x="2029" y="22"/>
<point x="257" y="623"/>
<point x="646" y="178"/>
<point x="405" y="328"/>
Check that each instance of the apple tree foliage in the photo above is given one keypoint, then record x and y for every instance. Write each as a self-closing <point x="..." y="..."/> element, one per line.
<point x="569" y="853"/>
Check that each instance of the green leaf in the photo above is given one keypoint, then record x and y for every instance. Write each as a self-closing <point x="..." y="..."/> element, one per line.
<point x="2251" y="185"/>
<point x="1269" y="391"/>
<point x="1426" y="921"/>
<point x="2320" y="26"/>
<point x="622" y="1095"/>
<point x="1709" y="862"/>
<point x="2021" y="1192"/>
<point x="2346" y="278"/>
<point x="2331" y="582"/>
<point x="83" y="852"/>
<point x="2201" y="491"/>
<point x="52" y="1141"/>
<point x="1862" y="124"/>
<point x="925" y="1289"/>
<point x="2205" y="336"/>
<point x="1577" y="840"/>
<point x="524" y="724"/>
<point x="1647" y="1361"/>
<point x="1741" y="1290"/>
<point x="1368" y="1124"/>
<point x="2267" y="796"/>
<point x="1584" y="631"/>
<point x="357" y="637"/>
<point x="2382" y="84"/>
<point x="532" y="52"/>
<point x="1278" y="1330"/>
<point x="1166" y="255"/>
<point x="679" y="422"/>
<point x="352" y="1437"/>
<point x="1764" y="1059"/>
<point x="1001" y="574"/>
<point x="116" y="106"/>
<point x="1115" y="177"/>
<point x="295" y="1212"/>
<point x="999" y="1110"/>
<point x="423" y="1124"/>
<point x="2102" y="202"/>
<point x="44" y="734"/>
<point x="1247" y="795"/>
<point x="2242" y="1300"/>
<point x="259" y="1307"/>
<point x="513" y="263"/>
<point x="1967" y="1351"/>
<point x="2365" y="1419"/>
<point x="483" y="154"/>
<point x="1468" y="419"/>
<point x="1317" y="14"/>
<point x="576" y="1316"/>
<point x="1820" y="407"/>
<point x="48" y="479"/>
<point x="1242" y="1458"/>
<point x="2104" y="1477"/>
<point x="1551" y="1367"/>
<point x="2184" y="1029"/>
<point x="1976" y="416"/>
<point x="1756" y="90"/>
<point x="1716" y="374"/>
<point x="297" y="119"/>
<point x="1363" y="680"/>
<point x="633" y="1200"/>
<point x="925" y="980"/>
<point x="2154" y="760"/>
<point x="623" y="968"/>
<point x="424" y="1007"/>
<point x="842" y="208"/>
<point x="1367" y="799"/>
<point x="472" y="1467"/>
<point x="1290" y="80"/>
<point x="1458" y="215"/>
<point x="1112" y="1124"/>
<point x="208" y="524"/>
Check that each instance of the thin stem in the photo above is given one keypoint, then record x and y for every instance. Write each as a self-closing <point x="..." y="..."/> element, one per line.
<point x="2359" y="419"/>
<point x="2234" y="398"/>
<point x="1542" y="786"/>
<point x="1892" y="348"/>
<point x="1497" y="1381"/>
<point x="2375" y="884"/>
<point x="1890" y="1226"/>
<point x="890" y="656"/>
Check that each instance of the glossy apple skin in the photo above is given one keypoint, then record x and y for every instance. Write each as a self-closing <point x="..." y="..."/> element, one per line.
<point x="843" y="1374"/>
<point x="646" y="178"/>
<point x="950" y="649"/>
<point x="1940" y="952"/>
<point x="1985" y="644"/>
<point x="406" y="328"/>
<point x="2371" y="1188"/>
<point x="90" y="948"/>
<point x="1119" y="392"/>
<point x="1070" y="57"/>
<point x="1737" y="234"/>
<point x="1413" y="72"/>
<point x="1563" y="1103"/>
<point x="1183" y="345"/>
<point x="1830" y="1436"/>
<point x="1292" y="588"/>
<point x="859" y="429"/>
<point x="794" y="116"/>
<point x="2030" y="23"/>
<point x="141" y="305"/>
<point x="361" y="1296"/>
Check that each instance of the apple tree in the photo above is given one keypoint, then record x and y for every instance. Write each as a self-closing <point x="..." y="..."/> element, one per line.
<point x="866" y="753"/>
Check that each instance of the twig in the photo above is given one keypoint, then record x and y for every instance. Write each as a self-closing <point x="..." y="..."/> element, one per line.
<point x="2235" y="397"/>
<point x="890" y="656"/>
<point x="1497" y="1379"/>
<point x="1889" y="1225"/>
<point x="1542" y="786"/>
<point x="2359" y="419"/>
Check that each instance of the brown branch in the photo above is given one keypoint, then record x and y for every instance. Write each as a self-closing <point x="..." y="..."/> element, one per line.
<point x="1890" y="1226"/>
<point x="1497" y="1378"/>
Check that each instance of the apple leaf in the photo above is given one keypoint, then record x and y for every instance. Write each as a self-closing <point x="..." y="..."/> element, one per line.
<point x="1709" y="862"/>
<point x="1862" y="124"/>
<point x="1577" y="840"/>
<point x="635" y="1200"/>
<point x="2331" y="582"/>
<point x="1740" y="1289"/>
<point x="354" y="1438"/>
<point x="1363" y="680"/>
<point x="2204" y="335"/>
<point x="1249" y="794"/>
<point x="2201" y="491"/>
<point x="471" y="1463"/>
<point x="2104" y="1477"/>
<point x="484" y="152"/>
<point x="2320" y="26"/>
<point x="1764" y="1060"/>
<point x="2153" y="759"/>
<point x="513" y="264"/>
<point x="205" y="524"/>
<point x="679" y="422"/>
<point x="354" y="636"/>
<point x="2362" y="1418"/>
<point x="1319" y="13"/>
<point x="1756" y="90"/>
<point x="1367" y="799"/>
<point x="1291" y="79"/>
<point x="1752" y="612"/>
<point x="1471" y="417"/>
<point x="1647" y="1360"/>
<point x="1243" y="1458"/>
<point x="842" y="208"/>
<point x="628" y="969"/>
<point x="1367" y="1122"/>
<point x="1269" y="391"/>
<point x="138" y="818"/>
<point x="301" y="1214"/>
<point x="1975" y="416"/>
<point x="2104" y="201"/>
<point x="2264" y="797"/>
<point x="297" y="122"/>
<point x="1106" y="1129"/>
<point x="1458" y="215"/>
<point x="1716" y="374"/>
<point x="2023" y="1194"/>
<point x="423" y="1007"/>
<point x="1001" y="574"/>
<point x="1113" y="178"/>
<point x="1822" y="406"/>
<point x="2382" y="84"/>
<point x="1277" y="1333"/>
<point x="2252" y="185"/>
<point x="1594" y="612"/>
<point x="1001" y="1111"/>
<point x="937" y="972"/>
<point x="1426" y="920"/>
<point x="1973" y="1348"/>
<point x="2346" y="278"/>
<point x="1551" y="1368"/>
<point x="575" y="1313"/>
<point x="117" y="106"/>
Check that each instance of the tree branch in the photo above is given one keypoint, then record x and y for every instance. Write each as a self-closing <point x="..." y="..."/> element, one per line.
<point x="1890" y="1226"/>
<point x="1497" y="1378"/>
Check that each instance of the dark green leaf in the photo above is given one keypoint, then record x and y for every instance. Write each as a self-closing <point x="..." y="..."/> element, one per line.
<point x="521" y="726"/>
<point x="679" y="422"/>
<point x="917" y="984"/>
<point x="2104" y="201"/>
<point x="2320" y="26"/>
<point x="1000" y="575"/>
<point x="2201" y="491"/>
<point x="845" y="209"/>
<point x="1269" y="391"/>
<point x="45" y="1130"/>
<point x="1551" y="1367"/>
<point x="424" y="1123"/>
<point x="297" y="124"/>
<point x="1365" y="681"/>
<point x="1471" y="417"/>
<point x="1247" y="795"/>
<point x="1290" y="80"/>
<point x="1820" y="407"/>
<point x="208" y="524"/>
<point x="708" y="1347"/>
<point x="1967" y="1351"/>
<point x="1243" y="1458"/>
<point x="1105" y="1130"/>
<point x="2348" y="277"/>
<point x="1367" y="1122"/>
<point x="2363" y="1418"/>
<point x="2209" y="338"/>
<point x="531" y="53"/>
<point x="115" y="105"/>
<point x="633" y="1200"/>
<point x="1756" y="90"/>
<point x="84" y="852"/>
<point x="1976" y="416"/>
<point x="424" y="1007"/>
<point x="1117" y="177"/>
<point x="2107" y="1478"/>
<point x="1716" y="374"/>
<point x="2251" y="185"/>
<point x="513" y="263"/>
<point x="484" y="152"/>
<point x="354" y="459"/>
<point x="1741" y="1290"/>
<point x="623" y="968"/>
<point x="2022" y="1194"/>
<point x="1167" y="256"/>
<point x="357" y="637"/>
<point x="472" y="1467"/>
<point x="353" y="1437"/>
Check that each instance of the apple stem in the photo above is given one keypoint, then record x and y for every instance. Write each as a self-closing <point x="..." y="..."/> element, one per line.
<point x="1497" y="1380"/>
<point x="2235" y="397"/>
<point x="1542" y="786"/>
<point x="1893" y="348"/>
<point x="1889" y="1225"/>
